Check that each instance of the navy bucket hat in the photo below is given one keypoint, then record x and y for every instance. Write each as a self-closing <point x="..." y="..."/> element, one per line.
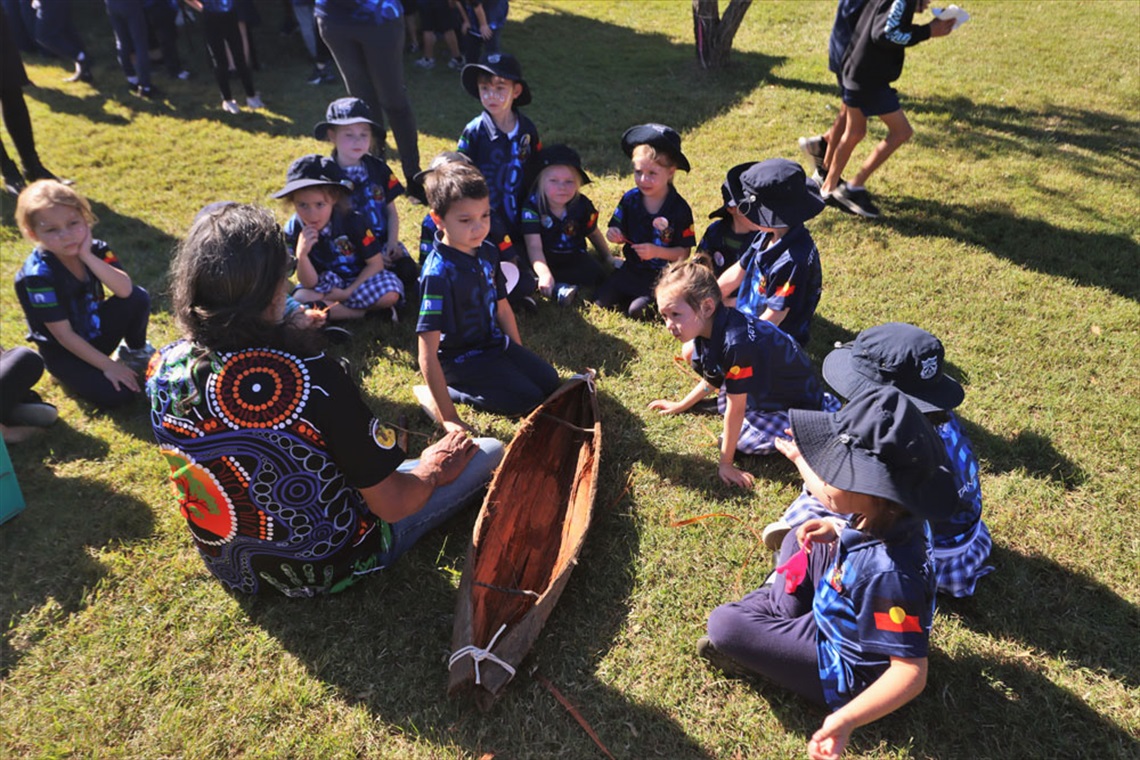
<point x="310" y="171"/>
<point x="896" y="354"/>
<point x="661" y="138"/>
<point x="341" y="112"/>
<point x="774" y="193"/>
<point x="561" y="155"/>
<point x="879" y="444"/>
<point x="502" y="65"/>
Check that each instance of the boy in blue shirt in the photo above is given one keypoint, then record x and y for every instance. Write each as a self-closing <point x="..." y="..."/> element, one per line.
<point x="469" y="346"/>
<point x="779" y="278"/>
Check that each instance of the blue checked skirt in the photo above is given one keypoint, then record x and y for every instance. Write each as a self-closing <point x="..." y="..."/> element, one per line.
<point x="759" y="431"/>
<point x="368" y="293"/>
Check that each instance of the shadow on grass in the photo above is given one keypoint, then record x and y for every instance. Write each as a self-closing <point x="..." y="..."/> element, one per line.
<point x="568" y="338"/>
<point x="1028" y="451"/>
<point x="384" y="644"/>
<point x="1094" y="259"/>
<point x="46" y="552"/>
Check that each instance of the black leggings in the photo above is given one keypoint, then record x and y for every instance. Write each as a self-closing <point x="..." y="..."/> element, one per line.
<point x="20" y="369"/>
<point x="221" y="29"/>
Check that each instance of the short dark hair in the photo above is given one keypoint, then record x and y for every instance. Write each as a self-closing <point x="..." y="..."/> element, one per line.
<point x="453" y="182"/>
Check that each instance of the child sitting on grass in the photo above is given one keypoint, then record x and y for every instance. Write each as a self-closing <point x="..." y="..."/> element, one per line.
<point x="348" y="126"/>
<point x="652" y="221"/>
<point x="339" y="259"/>
<point x="469" y="346"/>
<point x="855" y="633"/>
<point x="778" y="279"/>
<point x="62" y="288"/>
<point x="760" y="370"/>
<point x="557" y="220"/>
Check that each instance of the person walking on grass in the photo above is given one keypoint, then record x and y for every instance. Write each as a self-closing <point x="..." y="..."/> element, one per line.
<point x="873" y="60"/>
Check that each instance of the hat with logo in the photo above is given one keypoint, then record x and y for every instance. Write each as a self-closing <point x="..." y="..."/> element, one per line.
<point x="897" y="354"/>
<point x="773" y="193"/>
<point x="341" y="112"/>
<point x="661" y="138"/>
<point x="310" y="171"/>
<point x="502" y="65"/>
<point x="879" y="444"/>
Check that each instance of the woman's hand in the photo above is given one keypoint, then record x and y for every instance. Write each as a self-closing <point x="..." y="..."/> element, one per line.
<point x="447" y="457"/>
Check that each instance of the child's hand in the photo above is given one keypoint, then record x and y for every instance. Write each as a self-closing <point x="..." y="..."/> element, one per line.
<point x="307" y="239"/>
<point x="815" y="531"/>
<point x="941" y="27"/>
<point x="646" y="251"/>
<point x="546" y="283"/>
<point x="830" y="740"/>
<point x="665" y="406"/>
<point x="393" y="251"/>
<point x="615" y="236"/>
<point x="733" y="476"/>
<point x="120" y="375"/>
<point x="85" y="245"/>
<point x="788" y="447"/>
<point x="458" y="426"/>
<point x="485" y="32"/>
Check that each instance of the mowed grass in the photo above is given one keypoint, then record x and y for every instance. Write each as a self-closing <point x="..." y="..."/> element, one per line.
<point x="1010" y="230"/>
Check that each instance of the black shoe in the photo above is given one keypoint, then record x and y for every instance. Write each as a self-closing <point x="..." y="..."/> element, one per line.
<point x="39" y="171"/>
<point x="316" y="76"/>
<point x="815" y="148"/>
<point x="856" y="201"/>
<point x="149" y="92"/>
<point x="719" y="659"/>
<point x="13" y="183"/>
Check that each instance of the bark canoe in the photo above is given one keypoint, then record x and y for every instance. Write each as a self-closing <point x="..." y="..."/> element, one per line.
<point x="526" y="540"/>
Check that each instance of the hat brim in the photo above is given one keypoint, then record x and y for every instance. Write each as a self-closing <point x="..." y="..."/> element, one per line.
<point x="840" y="373"/>
<point x="800" y="210"/>
<point x="470" y="79"/>
<point x="301" y="184"/>
<point x="852" y="469"/>
<point x="321" y="131"/>
<point x="720" y="213"/>
<point x="658" y="143"/>
<point x="511" y="274"/>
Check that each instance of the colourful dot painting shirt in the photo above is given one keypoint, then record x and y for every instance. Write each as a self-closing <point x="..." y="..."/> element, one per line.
<point x="267" y="451"/>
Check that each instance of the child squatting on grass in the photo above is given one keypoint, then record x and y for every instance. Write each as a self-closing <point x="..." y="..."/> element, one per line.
<point x="854" y="634"/>
<point x="469" y="346"/>
<point x="760" y="371"/>
<point x="340" y="260"/>
<point x="62" y="288"/>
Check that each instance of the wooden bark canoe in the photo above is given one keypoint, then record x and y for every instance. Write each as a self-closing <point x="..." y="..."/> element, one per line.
<point x="526" y="540"/>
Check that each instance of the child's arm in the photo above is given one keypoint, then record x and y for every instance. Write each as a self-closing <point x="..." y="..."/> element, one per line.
<point x="601" y="245"/>
<point x="432" y="371"/>
<point x="114" y="279"/>
<point x="538" y="262"/>
<point x="392" y="247"/>
<point x="730" y="279"/>
<point x="648" y="251"/>
<point x="775" y="317"/>
<point x="903" y="680"/>
<point x="307" y="274"/>
<point x="481" y="17"/>
<point x="506" y="317"/>
<point x="118" y="374"/>
<point x="733" y="421"/>
<point x="699" y="391"/>
<point x="464" y="22"/>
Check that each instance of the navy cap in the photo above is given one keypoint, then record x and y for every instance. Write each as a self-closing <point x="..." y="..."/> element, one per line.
<point x="774" y="193"/>
<point x="310" y="171"/>
<point x="897" y="354"/>
<point x="502" y="65"/>
<point x="726" y="196"/>
<point x="561" y="155"/>
<point x="658" y="136"/>
<point x="344" y="111"/>
<point x="879" y="444"/>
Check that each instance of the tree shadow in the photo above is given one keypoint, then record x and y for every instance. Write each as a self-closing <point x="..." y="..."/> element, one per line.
<point x="647" y="69"/>
<point x="1087" y="258"/>
<point x="47" y="562"/>
<point x="566" y="336"/>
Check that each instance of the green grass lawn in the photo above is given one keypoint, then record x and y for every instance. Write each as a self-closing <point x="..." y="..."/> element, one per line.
<point x="1010" y="230"/>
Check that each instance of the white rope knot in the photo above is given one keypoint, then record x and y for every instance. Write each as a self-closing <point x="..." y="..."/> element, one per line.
<point x="478" y="655"/>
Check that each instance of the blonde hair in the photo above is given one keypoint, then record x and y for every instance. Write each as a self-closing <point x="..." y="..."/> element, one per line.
<point x="540" y="196"/>
<point x="652" y="154"/>
<point x="692" y="278"/>
<point x="45" y="193"/>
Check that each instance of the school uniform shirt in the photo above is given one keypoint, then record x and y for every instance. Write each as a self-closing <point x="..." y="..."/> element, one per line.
<point x="874" y="602"/>
<point x="374" y="189"/>
<point x="674" y="230"/>
<point x="267" y="452"/>
<point x="459" y="296"/>
<point x="725" y="245"/>
<point x="565" y="236"/>
<point x="877" y="51"/>
<point x="846" y="16"/>
<point x="503" y="159"/>
<point x="48" y="292"/>
<point x="497" y="236"/>
<point x="786" y="275"/>
<point x="749" y="355"/>
<point x="367" y="12"/>
<point x="342" y="247"/>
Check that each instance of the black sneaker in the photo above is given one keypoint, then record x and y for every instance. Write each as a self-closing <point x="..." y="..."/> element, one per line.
<point x="316" y="76"/>
<point x="719" y="659"/>
<point x="815" y="148"/>
<point x="856" y="201"/>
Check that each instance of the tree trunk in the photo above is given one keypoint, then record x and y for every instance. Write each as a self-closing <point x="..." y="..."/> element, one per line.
<point x="713" y="32"/>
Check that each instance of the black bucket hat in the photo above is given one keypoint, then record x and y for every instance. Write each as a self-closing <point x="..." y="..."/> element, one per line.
<point x="561" y="155"/>
<point x="658" y="136"/>
<point x="502" y="65"/>
<point x="344" y="111"/>
<point x="879" y="444"/>
<point x="774" y="193"/>
<point x="310" y="171"/>
<point x="726" y="196"/>
<point x="897" y="354"/>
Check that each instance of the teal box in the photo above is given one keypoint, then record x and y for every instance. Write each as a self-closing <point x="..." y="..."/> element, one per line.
<point x="11" y="500"/>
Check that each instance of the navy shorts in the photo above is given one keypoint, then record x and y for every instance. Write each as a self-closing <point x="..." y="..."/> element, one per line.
<point x="875" y="101"/>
